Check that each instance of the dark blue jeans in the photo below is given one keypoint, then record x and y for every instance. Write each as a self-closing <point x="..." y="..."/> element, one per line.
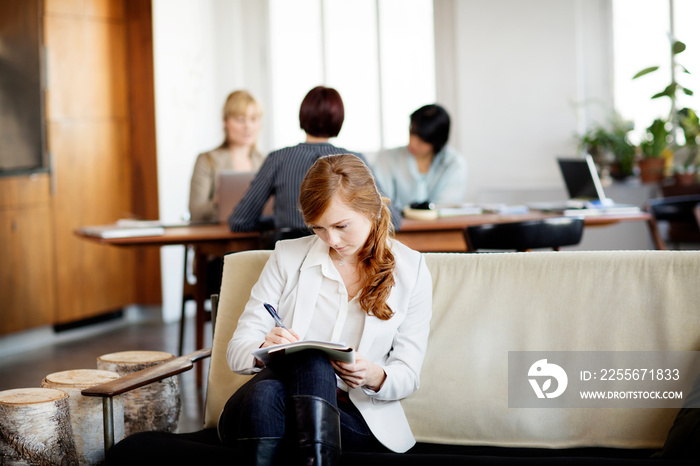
<point x="258" y="408"/>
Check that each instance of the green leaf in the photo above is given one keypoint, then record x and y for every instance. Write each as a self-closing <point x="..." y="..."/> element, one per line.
<point x="677" y="47"/>
<point x="645" y="71"/>
<point x="685" y="70"/>
<point x="687" y="91"/>
<point x="668" y="92"/>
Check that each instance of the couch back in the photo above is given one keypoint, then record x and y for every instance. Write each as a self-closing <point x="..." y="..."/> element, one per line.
<point x="485" y="305"/>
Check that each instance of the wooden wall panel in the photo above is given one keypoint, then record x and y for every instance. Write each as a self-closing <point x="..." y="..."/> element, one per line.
<point x="99" y="68"/>
<point x="27" y="286"/>
<point x="90" y="139"/>
<point x="87" y="68"/>
<point x="92" y="188"/>
<point x="108" y="9"/>
<point x="25" y="190"/>
<point x="144" y="166"/>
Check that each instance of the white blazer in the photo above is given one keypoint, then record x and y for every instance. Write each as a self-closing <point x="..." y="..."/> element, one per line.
<point x="398" y="345"/>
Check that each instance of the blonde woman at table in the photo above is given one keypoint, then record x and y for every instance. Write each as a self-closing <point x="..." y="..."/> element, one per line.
<point x="350" y="282"/>
<point x="242" y="119"/>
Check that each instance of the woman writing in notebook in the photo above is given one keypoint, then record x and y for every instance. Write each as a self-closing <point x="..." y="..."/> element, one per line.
<point x="242" y="117"/>
<point x="351" y="282"/>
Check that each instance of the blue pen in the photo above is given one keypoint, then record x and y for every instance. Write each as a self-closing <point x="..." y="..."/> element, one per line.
<point x="273" y="313"/>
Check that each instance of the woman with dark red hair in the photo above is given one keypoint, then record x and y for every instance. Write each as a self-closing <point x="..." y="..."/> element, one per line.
<point x="321" y="117"/>
<point x="350" y="282"/>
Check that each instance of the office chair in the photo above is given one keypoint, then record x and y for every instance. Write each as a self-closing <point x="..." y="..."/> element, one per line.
<point x="526" y="235"/>
<point x="214" y="265"/>
<point x="188" y="283"/>
<point x="673" y="221"/>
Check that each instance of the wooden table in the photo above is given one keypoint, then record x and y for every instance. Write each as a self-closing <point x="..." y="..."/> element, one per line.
<point x="445" y="233"/>
<point x="207" y="240"/>
<point x="441" y="235"/>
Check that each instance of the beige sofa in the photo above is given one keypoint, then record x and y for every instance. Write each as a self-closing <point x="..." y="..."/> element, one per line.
<point x="486" y="305"/>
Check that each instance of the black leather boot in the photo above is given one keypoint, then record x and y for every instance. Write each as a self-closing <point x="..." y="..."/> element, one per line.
<point x="317" y="424"/>
<point x="259" y="451"/>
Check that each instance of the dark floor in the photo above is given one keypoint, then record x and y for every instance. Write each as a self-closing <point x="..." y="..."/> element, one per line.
<point x="29" y="368"/>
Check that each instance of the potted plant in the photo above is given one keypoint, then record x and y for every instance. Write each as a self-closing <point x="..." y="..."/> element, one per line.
<point x="656" y="141"/>
<point x="610" y="147"/>
<point x="671" y="91"/>
<point x="655" y="152"/>
<point x="686" y="169"/>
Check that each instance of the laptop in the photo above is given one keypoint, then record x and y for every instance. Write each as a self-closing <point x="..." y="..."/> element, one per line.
<point x="583" y="186"/>
<point x="232" y="187"/>
<point x="582" y="181"/>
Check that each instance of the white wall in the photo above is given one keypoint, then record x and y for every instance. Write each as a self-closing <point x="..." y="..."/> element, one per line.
<point x="199" y="46"/>
<point x="512" y="74"/>
<point x="517" y="75"/>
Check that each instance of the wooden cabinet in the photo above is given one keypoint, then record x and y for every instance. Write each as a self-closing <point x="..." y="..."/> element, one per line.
<point x="100" y="121"/>
<point x="27" y="285"/>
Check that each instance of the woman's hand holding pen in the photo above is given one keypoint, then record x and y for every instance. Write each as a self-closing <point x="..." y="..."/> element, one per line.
<point x="361" y="374"/>
<point x="279" y="335"/>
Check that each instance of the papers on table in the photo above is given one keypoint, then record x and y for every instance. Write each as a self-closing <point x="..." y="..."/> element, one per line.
<point x="126" y="228"/>
<point x="617" y="209"/>
<point x="442" y="210"/>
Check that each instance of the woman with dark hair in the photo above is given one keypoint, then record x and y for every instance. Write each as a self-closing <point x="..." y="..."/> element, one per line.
<point x="427" y="170"/>
<point x="321" y="117"/>
<point x="322" y="113"/>
<point x="351" y="282"/>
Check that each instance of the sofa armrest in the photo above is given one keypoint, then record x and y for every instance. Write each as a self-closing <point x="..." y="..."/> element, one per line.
<point x="149" y="375"/>
<point x="136" y="380"/>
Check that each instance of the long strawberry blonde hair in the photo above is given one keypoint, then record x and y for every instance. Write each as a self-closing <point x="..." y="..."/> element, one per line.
<point x="348" y="176"/>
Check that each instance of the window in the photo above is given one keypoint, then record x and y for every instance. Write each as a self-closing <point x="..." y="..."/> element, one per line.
<point x="641" y="39"/>
<point x="379" y="54"/>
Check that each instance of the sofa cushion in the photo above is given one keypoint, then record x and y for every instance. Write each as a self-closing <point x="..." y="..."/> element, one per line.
<point x="485" y="305"/>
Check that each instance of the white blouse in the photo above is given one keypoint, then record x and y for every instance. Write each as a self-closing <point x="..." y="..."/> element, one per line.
<point x="335" y="318"/>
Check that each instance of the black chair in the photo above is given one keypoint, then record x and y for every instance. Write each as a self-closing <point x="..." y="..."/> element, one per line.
<point x="526" y="235"/>
<point x="214" y="266"/>
<point x="188" y="283"/>
<point x="673" y="221"/>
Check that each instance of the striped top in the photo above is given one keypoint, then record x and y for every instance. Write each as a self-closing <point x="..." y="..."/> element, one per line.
<point x="281" y="175"/>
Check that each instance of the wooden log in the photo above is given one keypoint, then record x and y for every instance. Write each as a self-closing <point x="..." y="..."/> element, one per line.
<point x="86" y="414"/>
<point x="153" y="407"/>
<point x="35" y="427"/>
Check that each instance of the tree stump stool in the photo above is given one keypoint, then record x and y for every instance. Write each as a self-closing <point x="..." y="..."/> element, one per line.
<point x="153" y="407"/>
<point x="35" y="427"/>
<point x="86" y="414"/>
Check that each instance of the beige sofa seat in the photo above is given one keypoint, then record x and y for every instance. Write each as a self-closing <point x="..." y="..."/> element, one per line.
<point x="485" y="305"/>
